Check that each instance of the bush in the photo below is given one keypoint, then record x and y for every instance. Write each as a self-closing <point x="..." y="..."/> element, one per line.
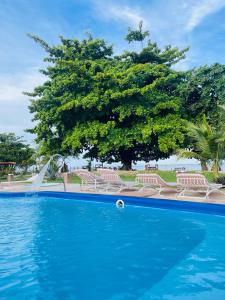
<point x="220" y="179"/>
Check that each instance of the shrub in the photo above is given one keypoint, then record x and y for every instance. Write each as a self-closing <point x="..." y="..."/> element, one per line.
<point x="220" y="179"/>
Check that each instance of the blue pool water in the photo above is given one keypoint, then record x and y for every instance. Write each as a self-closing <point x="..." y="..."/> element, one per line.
<point x="69" y="249"/>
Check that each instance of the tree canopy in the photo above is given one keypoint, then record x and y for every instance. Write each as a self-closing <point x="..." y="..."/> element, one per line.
<point x="207" y="145"/>
<point x="112" y="107"/>
<point x="202" y="92"/>
<point x="13" y="149"/>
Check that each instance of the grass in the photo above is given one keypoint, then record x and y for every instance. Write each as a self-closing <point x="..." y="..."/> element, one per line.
<point x="169" y="176"/>
<point x="166" y="175"/>
<point x="73" y="179"/>
<point x="20" y="177"/>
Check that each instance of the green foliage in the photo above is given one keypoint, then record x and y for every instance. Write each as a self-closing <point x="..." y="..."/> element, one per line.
<point x="220" y="179"/>
<point x="202" y="92"/>
<point x="13" y="149"/>
<point x="137" y="35"/>
<point x="208" y="144"/>
<point x="153" y="54"/>
<point x="115" y="108"/>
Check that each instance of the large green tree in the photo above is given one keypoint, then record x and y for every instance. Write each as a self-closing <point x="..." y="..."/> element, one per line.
<point x="14" y="149"/>
<point x="202" y="92"/>
<point x="114" y="108"/>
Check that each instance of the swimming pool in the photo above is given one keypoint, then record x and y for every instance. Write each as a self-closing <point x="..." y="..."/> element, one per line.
<point x="81" y="247"/>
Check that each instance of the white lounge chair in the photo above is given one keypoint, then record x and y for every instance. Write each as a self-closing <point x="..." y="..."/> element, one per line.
<point x="113" y="179"/>
<point x="195" y="183"/>
<point x="155" y="182"/>
<point x="90" y="181"/>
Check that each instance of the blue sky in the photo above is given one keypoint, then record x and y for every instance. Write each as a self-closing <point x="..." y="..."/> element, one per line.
<point x="199" y="24"/>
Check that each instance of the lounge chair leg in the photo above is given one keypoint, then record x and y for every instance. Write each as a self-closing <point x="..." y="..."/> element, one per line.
<point x="141" y="189"/>
<point x="208" y="192"/>
<point x="120" y="189"/>
<point x="182" y="192"/>
<point x="159" y="191"/>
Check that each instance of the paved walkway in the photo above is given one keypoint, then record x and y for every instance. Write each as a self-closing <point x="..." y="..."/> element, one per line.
<point x="217" y="197"/>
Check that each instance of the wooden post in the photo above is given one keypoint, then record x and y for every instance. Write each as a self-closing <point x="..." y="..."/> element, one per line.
<point x="10" y="177"/>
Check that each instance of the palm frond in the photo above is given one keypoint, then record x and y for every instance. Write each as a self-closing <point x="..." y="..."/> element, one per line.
<point x="185" y="153"/>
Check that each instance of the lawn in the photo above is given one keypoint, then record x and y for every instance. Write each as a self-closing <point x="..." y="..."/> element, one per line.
<point x="169" y="176"/>
<point x="20" y="177"/>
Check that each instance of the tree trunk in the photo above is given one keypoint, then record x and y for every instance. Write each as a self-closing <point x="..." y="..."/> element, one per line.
<point x="204" y="165"/>
<point x="126" y="160"/>
<point x="216" y="167"/>
<point x="127" y="165"/>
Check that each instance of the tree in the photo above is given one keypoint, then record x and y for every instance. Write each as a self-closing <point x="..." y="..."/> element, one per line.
<point x="202" y="91"/>
<point x="208" y="145"/>
<point x="13" y="149"/>
<point x="114" y="108"/>
<point x="137" y="35"/>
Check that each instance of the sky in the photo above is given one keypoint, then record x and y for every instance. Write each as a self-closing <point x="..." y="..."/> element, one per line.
<point x="199" y="24"/>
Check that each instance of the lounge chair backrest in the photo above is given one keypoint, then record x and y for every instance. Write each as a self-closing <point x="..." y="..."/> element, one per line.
<point x="191" y="180"/>
<point x="109" y="175"/>
<point x="85" y="176"/>
<point x="151" y="179"/>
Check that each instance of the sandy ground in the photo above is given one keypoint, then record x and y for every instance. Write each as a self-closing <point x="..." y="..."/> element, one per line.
<point x="216" y="197"/>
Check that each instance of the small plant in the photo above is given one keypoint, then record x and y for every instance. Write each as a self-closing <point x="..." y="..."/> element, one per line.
<point x="220" y="179"/>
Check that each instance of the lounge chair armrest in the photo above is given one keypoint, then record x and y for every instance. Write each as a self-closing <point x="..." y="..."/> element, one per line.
<point x="216" y="185"/>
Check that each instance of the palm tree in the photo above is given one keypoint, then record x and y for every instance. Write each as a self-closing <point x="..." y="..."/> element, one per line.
<point x="208" y="145"/>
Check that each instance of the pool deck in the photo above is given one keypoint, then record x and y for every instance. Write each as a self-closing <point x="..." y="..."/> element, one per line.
<point x="216" y="197"/>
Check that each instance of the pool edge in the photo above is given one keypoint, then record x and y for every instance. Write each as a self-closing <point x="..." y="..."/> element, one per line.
<point x="206" y="208"/>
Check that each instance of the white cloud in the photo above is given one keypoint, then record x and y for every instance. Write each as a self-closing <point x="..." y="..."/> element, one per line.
<point x="14" y="113"/>
<point x="13" y="85"/>
<point x="201" y="9"/>
<point x="118" y="12"/>
<point x="172" y="22"/>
